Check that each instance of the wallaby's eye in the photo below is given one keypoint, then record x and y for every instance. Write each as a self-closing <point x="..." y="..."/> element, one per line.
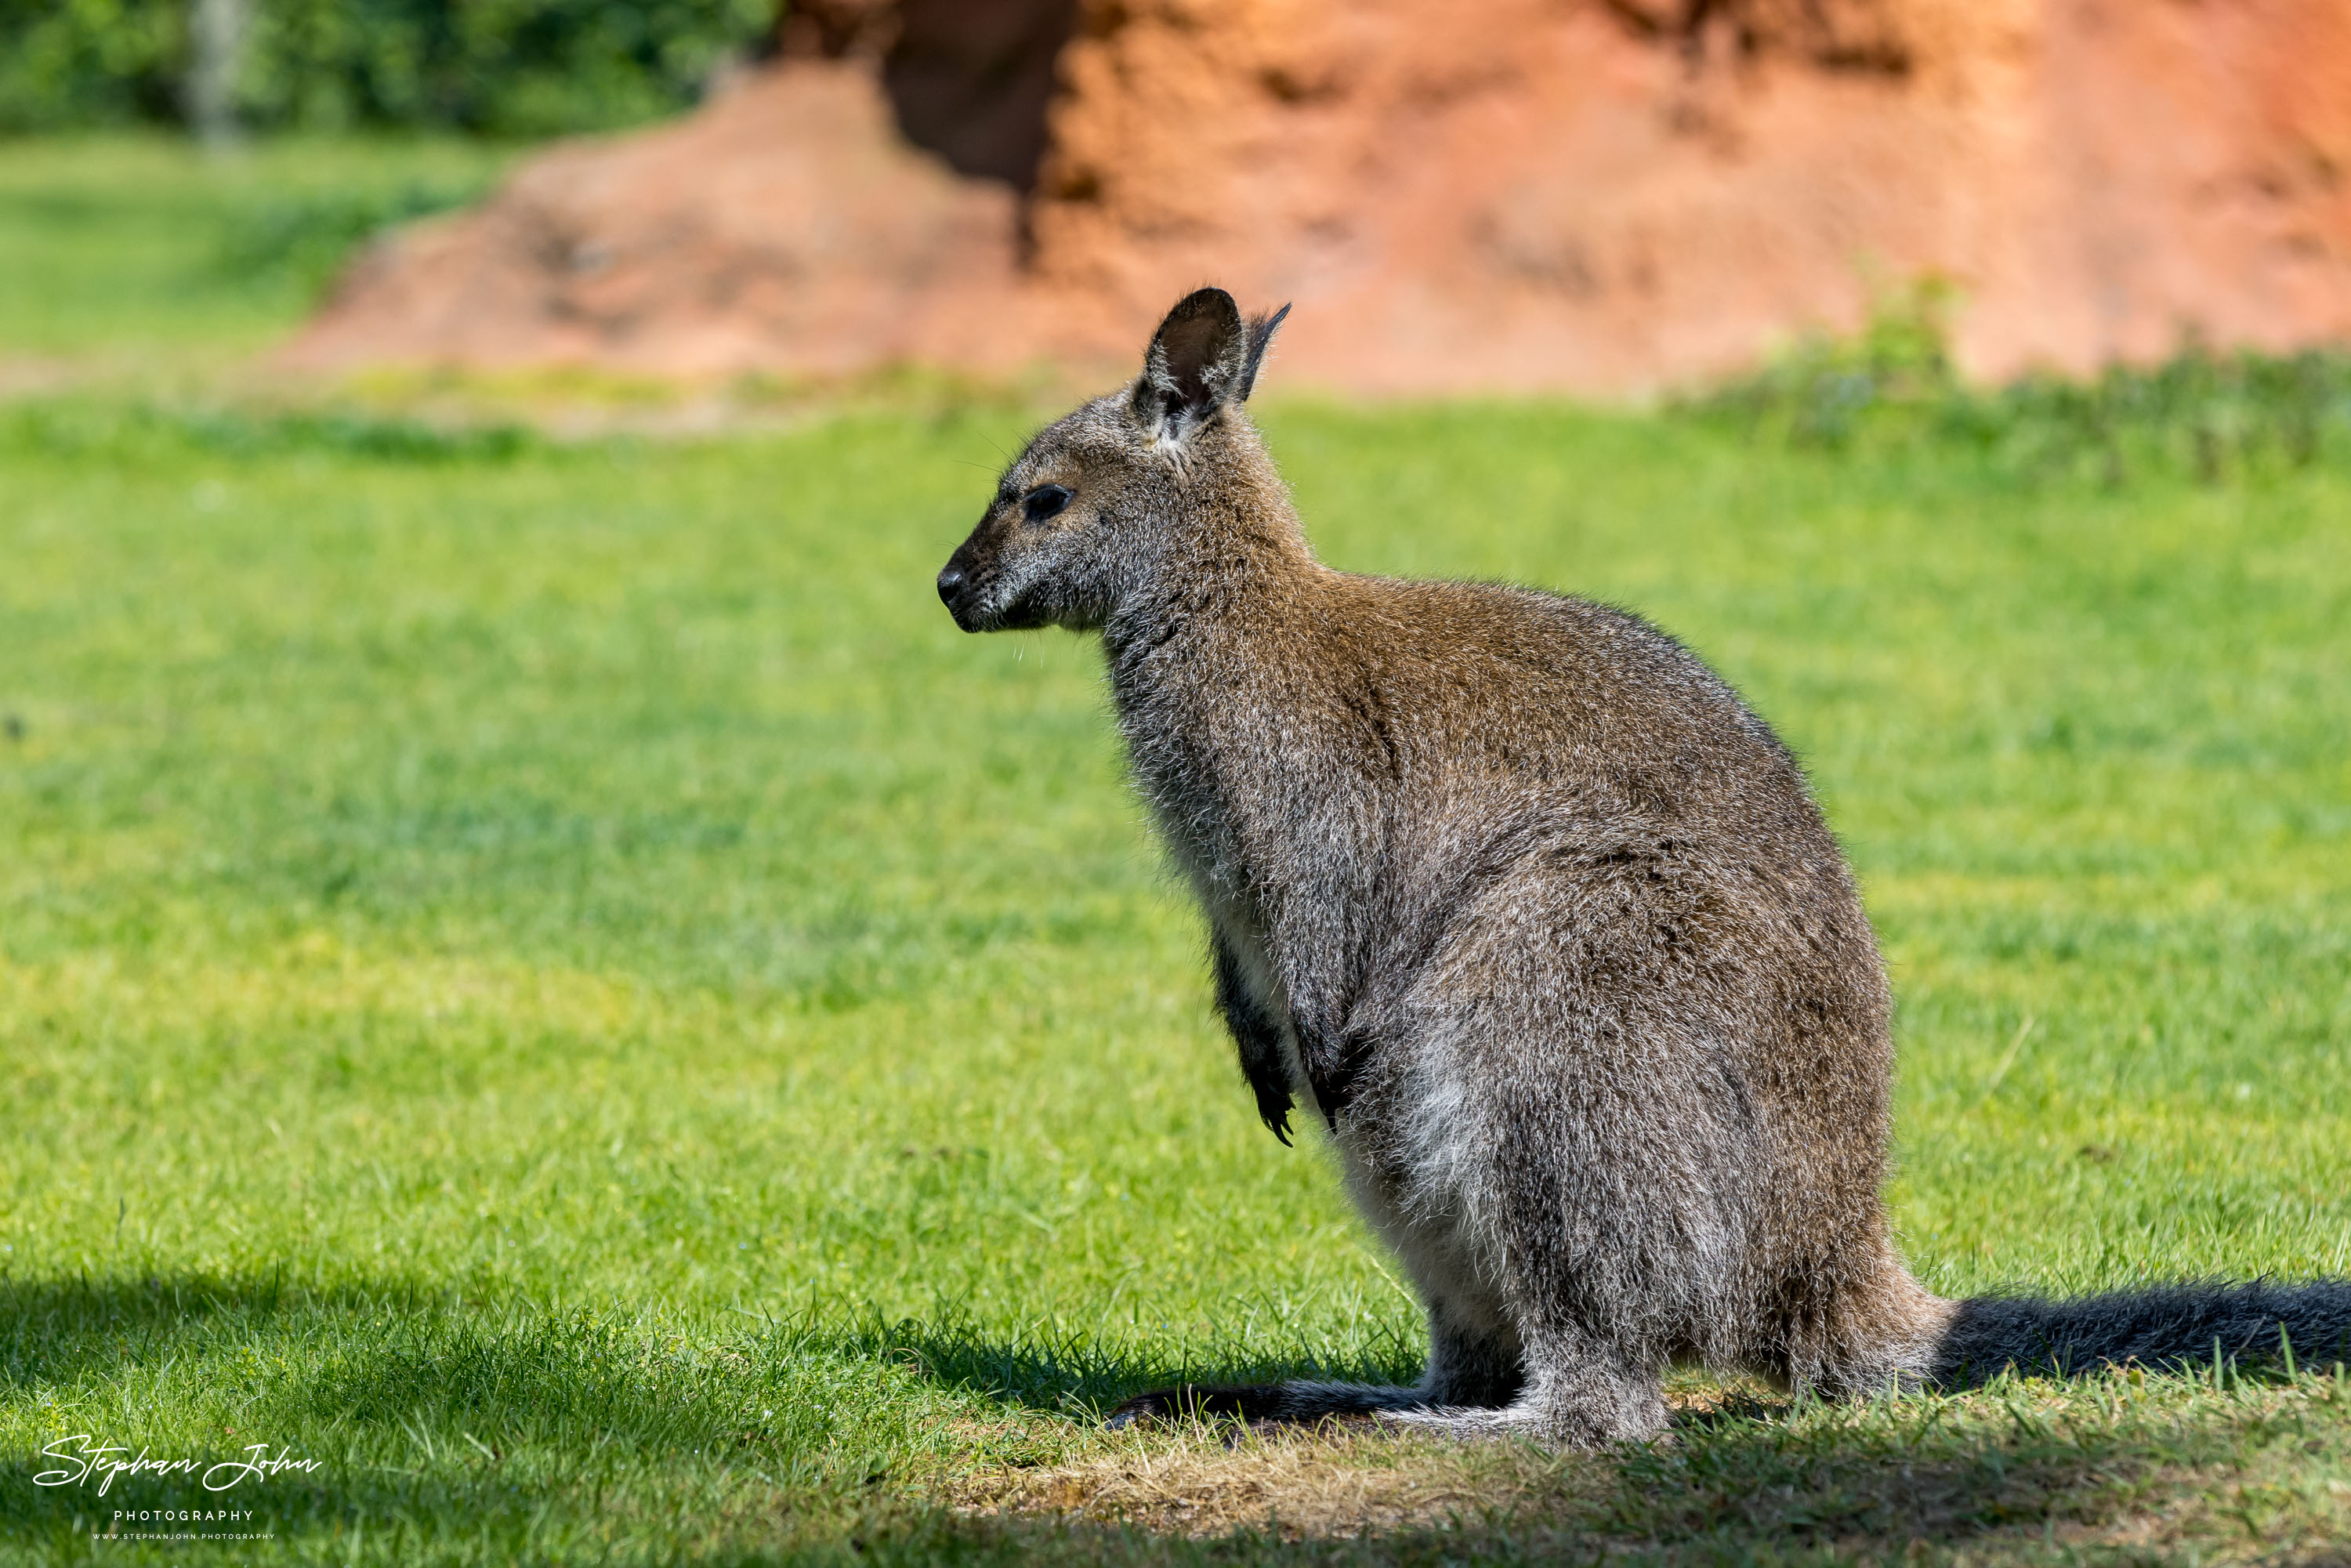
<point x="1043" y="502"/>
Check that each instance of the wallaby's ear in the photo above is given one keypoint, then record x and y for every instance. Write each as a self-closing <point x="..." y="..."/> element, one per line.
<point x="1202" y="357"/>
<point x="1261" y="329"/>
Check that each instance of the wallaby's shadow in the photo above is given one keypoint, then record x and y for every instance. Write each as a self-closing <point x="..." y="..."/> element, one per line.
<point x="1071" y="1374"/>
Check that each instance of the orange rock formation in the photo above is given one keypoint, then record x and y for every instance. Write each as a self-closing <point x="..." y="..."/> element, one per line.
<point x="1595" y="195"/>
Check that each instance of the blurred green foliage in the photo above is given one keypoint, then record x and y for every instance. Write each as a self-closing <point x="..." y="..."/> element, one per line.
<point x="90" y="61"/>
<point x="519" y="67"/>
<point x="1892" y="385"/>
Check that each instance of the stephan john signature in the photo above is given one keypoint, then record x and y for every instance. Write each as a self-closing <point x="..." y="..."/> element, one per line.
<point x="259" y="1464"/>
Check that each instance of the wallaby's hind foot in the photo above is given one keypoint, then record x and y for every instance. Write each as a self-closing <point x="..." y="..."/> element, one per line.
<point x="1590" y="1417"/>
<point x="1589" y="1401"/>
<point x="1263" y="1404"/>
<point x="1575" y="1429"/>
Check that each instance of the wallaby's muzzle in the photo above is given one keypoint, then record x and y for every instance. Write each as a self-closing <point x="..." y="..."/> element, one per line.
<point x="971" y="586"/>
<point x="968" y="582"/>
<point x="988" y="587"/>
<point x="954" y="591"/>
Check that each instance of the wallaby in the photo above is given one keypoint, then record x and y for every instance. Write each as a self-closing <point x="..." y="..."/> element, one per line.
<point x="1519" y="899"/>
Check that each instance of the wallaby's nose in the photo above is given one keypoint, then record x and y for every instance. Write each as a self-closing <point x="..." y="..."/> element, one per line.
<point x="950" y="585"/>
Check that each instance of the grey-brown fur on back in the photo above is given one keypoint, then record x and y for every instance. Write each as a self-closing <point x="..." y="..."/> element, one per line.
<point x="1518" y="899"/>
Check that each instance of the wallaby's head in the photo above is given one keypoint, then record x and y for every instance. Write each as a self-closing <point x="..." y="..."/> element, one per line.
<point x="1098" y="497"/>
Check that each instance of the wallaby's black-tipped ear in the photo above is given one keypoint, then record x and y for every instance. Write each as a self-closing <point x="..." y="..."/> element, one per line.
<point x="1261" y="329"/>
<point x="1198" y="361"/>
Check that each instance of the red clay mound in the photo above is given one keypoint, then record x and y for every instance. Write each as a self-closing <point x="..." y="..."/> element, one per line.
<point x="785" y="225"/>
<point x="1597" y="195"/>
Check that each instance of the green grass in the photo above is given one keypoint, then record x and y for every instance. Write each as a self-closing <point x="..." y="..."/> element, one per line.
<point x="550" y="979"/>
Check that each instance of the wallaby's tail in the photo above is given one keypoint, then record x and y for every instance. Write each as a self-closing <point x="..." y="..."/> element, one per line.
<point x="2161" y="1327"/>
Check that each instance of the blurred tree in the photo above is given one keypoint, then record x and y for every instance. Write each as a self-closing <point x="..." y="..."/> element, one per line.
<point x="523" y="67"/>
<point x="217" y="38"/>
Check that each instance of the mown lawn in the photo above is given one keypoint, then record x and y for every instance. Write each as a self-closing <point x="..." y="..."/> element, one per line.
<point x="548" y="979"/>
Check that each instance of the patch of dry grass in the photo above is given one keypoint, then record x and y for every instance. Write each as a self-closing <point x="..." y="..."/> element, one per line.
<point x="1343" y="1479"/>
<point x="2114" y="1469"/>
